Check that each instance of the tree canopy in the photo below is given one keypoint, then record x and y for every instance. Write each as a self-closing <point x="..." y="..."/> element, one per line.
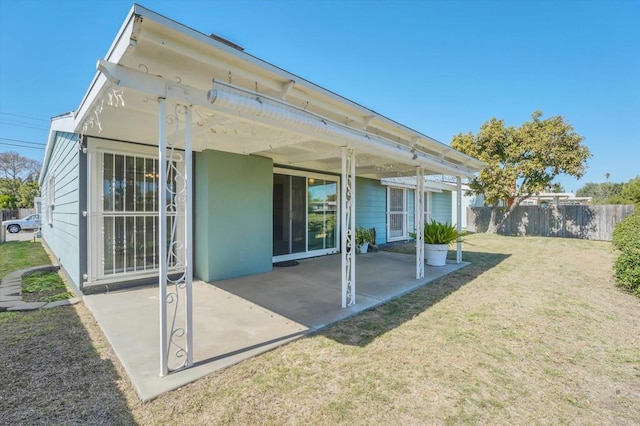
<point x="18" y="180"/>
<point x="522" y="161"/>
<point x="612" y="192"/>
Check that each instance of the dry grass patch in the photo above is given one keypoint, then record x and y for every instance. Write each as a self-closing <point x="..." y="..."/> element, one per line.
<point x="533" y="332"/>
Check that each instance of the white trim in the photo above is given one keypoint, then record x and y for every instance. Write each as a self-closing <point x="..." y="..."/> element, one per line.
<point x="51" y="197"/>
<point x="95" y="236"/>
<point x="427" y="213"/>
<point x="282" y="77"/>
<point x="304" y="255"/>
<point x="419" y="205"/>
<point x="459" y="216"/>
<point x="404" y="212"/>
<point x="313" y="253"/>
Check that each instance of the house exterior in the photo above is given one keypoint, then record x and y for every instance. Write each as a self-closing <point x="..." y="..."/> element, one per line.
<point x="251" y="164"/>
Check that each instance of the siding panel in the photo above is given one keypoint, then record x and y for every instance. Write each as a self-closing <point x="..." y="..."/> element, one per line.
<point x="371" y="207"/>
<point x="63" y="236"/>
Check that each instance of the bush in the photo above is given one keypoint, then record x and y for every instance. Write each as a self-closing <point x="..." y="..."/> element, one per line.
<point x="627" y="268"/>
<point x="627" y="231"/>
<point x="626" y="238"/>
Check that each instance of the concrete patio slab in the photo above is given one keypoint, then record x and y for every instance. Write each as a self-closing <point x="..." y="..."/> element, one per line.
<point x="240" y="318"/>
<point x="310" y="293"/>
<point x="226" y="330"/>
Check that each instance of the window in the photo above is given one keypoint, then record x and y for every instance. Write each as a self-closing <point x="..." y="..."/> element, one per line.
<point x="396" y="214"/>
<point x="427" y="206"/>
<point x="305" y="214"/>
<point x="129" y="213"/>
<point x="51" y="197"/>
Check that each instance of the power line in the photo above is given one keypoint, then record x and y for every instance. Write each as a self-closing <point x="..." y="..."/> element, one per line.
<point x="24" y="116"/>
<point x="22" y="146"/>
<point x="22" y="125"/>
<point x="23" y="141"/>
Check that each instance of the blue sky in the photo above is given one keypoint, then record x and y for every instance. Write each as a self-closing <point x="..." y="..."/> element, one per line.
<point x="440" y="67"/>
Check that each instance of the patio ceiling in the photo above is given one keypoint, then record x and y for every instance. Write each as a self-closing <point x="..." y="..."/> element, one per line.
<point x="154" y="57"/>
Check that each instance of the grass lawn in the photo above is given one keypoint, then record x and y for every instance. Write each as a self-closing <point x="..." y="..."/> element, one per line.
<point x="533" y="332"/>
<point x="15" y="255"/>
<point x="44" y="286"/>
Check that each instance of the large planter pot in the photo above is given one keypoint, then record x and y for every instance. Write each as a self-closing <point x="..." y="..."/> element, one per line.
<point x="436" y="254"/>
<point x="364" y="247"/>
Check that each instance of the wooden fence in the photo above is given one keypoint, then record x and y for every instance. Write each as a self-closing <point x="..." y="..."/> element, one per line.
<point x="593" y="222"/>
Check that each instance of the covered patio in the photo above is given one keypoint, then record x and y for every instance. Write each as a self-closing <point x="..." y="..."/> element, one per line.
<point x="239" y="318"/>
<point x="177" y="131"/>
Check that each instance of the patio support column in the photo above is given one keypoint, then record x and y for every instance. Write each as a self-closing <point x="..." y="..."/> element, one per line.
<point x="175" y="240"/>
<point x="348" y="231"/>
<point x="188" y="232"/>
<point x="419" y="222"/>
<point x="162" y="235"/>
<point x="459" y="217"/>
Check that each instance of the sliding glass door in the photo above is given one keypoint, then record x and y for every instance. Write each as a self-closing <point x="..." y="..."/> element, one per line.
<point x="305" y="214"/>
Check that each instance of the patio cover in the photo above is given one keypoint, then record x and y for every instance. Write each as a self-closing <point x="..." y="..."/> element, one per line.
<point x="164" y="84"/>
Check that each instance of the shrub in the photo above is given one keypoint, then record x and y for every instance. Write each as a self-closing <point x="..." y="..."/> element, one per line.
<point x="627" y="231"/>
<point x="626" y="238"/>
<point x="627" y="268"/>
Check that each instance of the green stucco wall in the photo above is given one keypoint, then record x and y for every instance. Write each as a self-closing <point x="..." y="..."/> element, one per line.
<point x="233" y="228"/>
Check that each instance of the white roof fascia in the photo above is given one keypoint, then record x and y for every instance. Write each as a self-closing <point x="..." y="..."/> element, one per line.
<point x="124" y="40"/>
<point x="312" y="89"/>
<point x="60" y="123"/>
<point x="410" y="182"/>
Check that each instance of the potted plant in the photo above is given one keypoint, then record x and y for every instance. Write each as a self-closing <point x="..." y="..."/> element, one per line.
<point x="363" y="239"/>
<point x="437" y="237"/>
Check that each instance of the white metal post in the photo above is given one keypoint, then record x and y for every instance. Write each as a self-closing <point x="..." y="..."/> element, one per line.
<point x="419" y="222"/>
<point x="348" y="197"/>
<point x="162" y="235"/>
<point x="188" y="212"/>
<point x="459" y="216"/>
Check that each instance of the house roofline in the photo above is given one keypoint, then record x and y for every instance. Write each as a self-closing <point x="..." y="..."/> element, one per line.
<point x="59" y="123"/>
<point x="134" y="22"/>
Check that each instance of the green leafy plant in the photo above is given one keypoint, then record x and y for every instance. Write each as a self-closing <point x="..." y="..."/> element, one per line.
<point x="440" y="233"/>
<point x="364" y="235"/>
<point x="627" y="268"/>
<point x="626" y="238"/>
<point x="626" y="231"/>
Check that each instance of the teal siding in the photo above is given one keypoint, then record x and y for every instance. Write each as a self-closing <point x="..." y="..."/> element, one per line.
<point x="441" y="210"/>
<point x="371" y="207"/>
<point x="233" y="229"/>
<point x="63" y="235"/>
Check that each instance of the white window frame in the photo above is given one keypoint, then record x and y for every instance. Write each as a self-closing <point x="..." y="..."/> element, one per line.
<point x="404" y="213"/>
<point x="427" y="207"/>
<point x="51" y="197"/>
<point x="319" y="252"/>
<point x="95" y="217"/>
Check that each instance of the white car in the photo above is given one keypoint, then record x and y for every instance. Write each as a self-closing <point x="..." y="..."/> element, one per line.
<point x="16" y="225"/>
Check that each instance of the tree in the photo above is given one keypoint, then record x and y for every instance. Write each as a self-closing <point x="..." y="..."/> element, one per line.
<point x="521" y="161"/>
<point x="18" y="179"/>
<point x="14" y="166"/>
<point x="602" y="193"/>
<point x="631" y="191"/>
<point x="612" y="192"/>
<point x="8" y="201"/>
<point x="556" y="188"/>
